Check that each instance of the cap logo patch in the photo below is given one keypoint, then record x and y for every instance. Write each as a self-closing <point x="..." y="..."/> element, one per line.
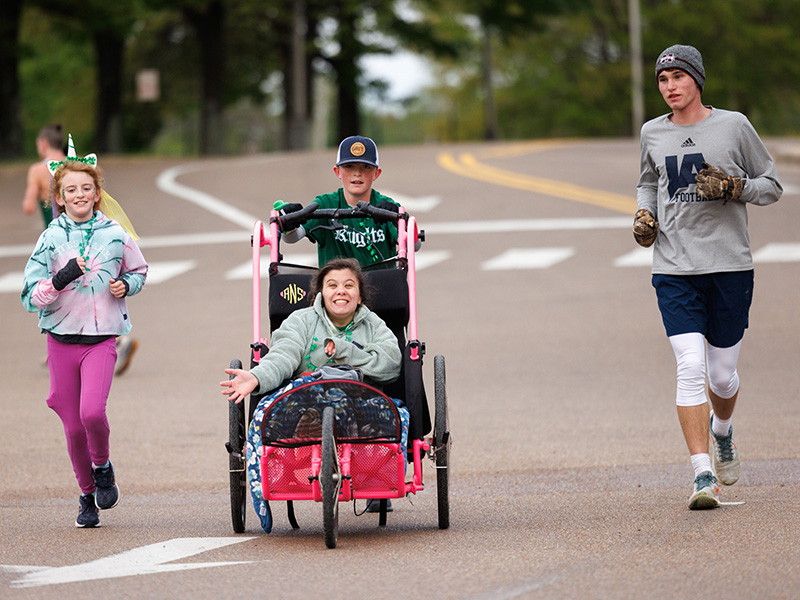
<point x="667" y="58"/>
<point x="357" y="149"/>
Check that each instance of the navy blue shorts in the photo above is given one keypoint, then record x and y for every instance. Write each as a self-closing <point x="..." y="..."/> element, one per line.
<point x="716" y="305"/>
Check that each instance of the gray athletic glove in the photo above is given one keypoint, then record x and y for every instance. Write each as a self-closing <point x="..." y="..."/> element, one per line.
<point x="714" y="184"/>
<point x="645" y="228"/>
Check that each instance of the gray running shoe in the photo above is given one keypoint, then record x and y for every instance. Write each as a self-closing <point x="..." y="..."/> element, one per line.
<point x="88" y="513"/>
<point x="705" y="492"/>
<point x="107" y="493"/>
<point x="725" y="457"/>
<point x="126" y="346"/>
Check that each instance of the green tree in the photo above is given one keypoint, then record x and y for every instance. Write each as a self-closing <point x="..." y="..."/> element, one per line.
<point x="10" y="128"/>
<point x="751" y="52"/>
<point x="57" y="74"/>
<point x="499" y="23"/>
<point x="107" y="24"/>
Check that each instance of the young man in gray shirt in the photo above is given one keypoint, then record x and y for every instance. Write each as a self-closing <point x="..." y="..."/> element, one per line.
<point x="700" y="167"/>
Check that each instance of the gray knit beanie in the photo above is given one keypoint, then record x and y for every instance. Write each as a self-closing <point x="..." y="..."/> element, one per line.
<point x="685" y="58"/>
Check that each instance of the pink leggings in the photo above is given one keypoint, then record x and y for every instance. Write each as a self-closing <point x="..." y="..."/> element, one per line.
<point x="80" y="379"/>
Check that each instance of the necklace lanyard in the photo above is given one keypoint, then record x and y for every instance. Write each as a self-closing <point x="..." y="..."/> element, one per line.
<point x="83" y="247"/>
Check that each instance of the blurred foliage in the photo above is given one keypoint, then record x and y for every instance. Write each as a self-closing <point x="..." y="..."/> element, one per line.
<point x="555" y="73"/>
<point x="57" y="75"/>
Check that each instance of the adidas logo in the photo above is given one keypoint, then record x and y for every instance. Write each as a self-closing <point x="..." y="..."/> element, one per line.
<point x="688" y="143"/>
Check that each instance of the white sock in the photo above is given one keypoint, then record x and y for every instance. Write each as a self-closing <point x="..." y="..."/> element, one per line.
<point x="701" y="463"/>
<point x="719" y="427"/>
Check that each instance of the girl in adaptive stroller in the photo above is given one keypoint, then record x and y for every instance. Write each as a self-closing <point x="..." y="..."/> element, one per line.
<point x="337" y="329"/>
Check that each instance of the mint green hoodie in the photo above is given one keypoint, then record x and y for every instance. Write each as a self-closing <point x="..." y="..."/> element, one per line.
<point x="298" y="346"/>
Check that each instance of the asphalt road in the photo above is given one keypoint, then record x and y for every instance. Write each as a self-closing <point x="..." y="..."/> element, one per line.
<point x="570" y="477"/>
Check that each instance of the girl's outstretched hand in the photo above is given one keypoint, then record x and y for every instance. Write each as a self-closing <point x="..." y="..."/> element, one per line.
<point x="240" y="386"/>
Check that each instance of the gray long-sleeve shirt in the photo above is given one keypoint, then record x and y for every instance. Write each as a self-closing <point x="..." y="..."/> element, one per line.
<point x="696" y="235"/>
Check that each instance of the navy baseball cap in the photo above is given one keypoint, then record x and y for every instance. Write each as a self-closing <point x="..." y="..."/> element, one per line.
<point x="357" y="148"/>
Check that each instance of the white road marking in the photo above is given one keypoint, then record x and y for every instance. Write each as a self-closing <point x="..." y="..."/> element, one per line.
<point x="245" y="270"/>
<point x="18" y="250"/>
<point x="528" y="258"/>
<point x="197" y="239"/>
<point x="157" y="272"/>
<point x="788" y="252"/>
<point x="146" y="560"/>
<point x="11" y="282"/>
<point x="455" y="227"/>
<point x="428" y="258"/>
<point x="166" y="182"/>
<point x="162" y="271"/>
<point x="505" y="226"/>
<point x="791" y="190"/>
<point x="425" y="259"/>
<point x="414" y="205"/>
<point x="158" y="241"/>
<point x="638" y="257"/>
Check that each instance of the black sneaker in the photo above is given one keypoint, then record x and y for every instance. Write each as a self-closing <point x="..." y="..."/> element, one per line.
<point x="107" y="494"/>
<point x="88" y="514"/>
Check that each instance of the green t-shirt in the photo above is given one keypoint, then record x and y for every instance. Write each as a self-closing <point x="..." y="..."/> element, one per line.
<point x="363" y="239"/>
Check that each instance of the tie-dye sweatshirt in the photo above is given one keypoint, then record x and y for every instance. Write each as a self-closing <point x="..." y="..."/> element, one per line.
<point x="85" y="306"/>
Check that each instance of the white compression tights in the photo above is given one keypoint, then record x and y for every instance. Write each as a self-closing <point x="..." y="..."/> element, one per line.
<point x="690" y="354"/>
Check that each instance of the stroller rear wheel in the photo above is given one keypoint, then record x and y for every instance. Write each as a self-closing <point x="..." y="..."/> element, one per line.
<point x="237" y="460"/>
<point x="441" y="440"/>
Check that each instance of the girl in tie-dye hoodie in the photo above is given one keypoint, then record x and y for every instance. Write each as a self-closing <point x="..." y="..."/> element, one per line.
<point x="82" y="269"/>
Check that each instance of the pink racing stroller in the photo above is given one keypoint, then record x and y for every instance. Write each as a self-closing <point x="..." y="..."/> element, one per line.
<point x="335" y="440"/>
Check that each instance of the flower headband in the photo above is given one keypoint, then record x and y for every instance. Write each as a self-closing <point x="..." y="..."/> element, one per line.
<point x="89" y="159"/>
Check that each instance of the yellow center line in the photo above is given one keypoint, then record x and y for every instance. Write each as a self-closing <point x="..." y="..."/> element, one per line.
<point x="467" y="165"/>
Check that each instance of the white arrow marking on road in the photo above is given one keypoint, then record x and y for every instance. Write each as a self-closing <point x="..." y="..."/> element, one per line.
<point x="528" y="258"/>
<point x="139" y="561"/>
<point x="414" y="205"/>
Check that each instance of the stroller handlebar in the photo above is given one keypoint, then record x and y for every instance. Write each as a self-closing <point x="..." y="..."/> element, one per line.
<point x="312" y="211"/>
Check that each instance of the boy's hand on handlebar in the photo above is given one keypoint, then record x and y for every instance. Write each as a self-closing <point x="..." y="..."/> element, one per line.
<point x="290" y="208"/>
<point x="286" y="209"/>
<point x="386" y="205"/>
<point x="242" y="384"/>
